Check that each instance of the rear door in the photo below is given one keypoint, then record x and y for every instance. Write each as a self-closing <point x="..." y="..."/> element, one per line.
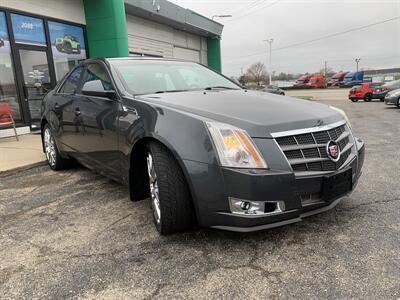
<point x="97" y="123"/>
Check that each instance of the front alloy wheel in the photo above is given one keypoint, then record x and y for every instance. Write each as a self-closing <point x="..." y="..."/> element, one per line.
<point x="154" y="195"/>
<point x="170" y="198"/>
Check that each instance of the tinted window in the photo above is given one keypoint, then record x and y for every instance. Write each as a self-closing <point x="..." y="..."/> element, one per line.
<point x="71" y="84"/>
<point x="97" y="72"/>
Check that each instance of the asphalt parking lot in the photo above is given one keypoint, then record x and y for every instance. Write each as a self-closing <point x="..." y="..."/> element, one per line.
<point x="75" y="233"/>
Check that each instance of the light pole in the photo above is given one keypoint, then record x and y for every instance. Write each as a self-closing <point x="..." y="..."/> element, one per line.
<point x="220" y="16"/>
<point x="357" y="61"/>
<point x="269" y="41"/>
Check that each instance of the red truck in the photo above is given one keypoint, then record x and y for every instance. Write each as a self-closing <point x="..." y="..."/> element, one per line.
<point x="303" y="80"/>
<point x="317" y="81"/>
<point x="336" y="79"/>
<point x="365" y="91"/>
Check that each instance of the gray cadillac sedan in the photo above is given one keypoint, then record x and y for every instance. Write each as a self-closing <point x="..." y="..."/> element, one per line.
<point x="205" y="151"/>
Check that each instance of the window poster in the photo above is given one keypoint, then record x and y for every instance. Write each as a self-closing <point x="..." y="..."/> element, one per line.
<point x="4" y="42"/>
<point x="67" y="41"/>
<point x="28" y="30"/>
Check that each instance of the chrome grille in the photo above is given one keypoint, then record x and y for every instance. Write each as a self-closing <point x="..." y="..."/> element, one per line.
<point x="306" y="152"/>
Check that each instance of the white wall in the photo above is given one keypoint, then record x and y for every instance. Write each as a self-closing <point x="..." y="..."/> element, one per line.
<point x="152" y="38"/>
<point x="70" y="10"/>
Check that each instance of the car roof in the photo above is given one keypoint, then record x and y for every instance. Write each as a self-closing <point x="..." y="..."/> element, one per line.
<point x="145" y="58"/>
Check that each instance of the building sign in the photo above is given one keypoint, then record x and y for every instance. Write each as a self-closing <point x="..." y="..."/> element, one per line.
<point x="67" y="40"/>
<point x="28" y="30"/>
<point x="4" y="41"/>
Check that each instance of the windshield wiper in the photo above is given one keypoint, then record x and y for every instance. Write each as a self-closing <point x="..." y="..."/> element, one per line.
<point x="209" y="88"/>
<point x="170" y="91"/>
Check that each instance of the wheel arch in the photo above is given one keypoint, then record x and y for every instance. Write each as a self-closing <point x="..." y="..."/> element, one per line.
<point x="43" y="122"/>
<point x="137" y="157"/>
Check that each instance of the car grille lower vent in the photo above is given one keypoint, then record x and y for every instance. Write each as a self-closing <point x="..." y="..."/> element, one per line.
<point x="306" y="152"/>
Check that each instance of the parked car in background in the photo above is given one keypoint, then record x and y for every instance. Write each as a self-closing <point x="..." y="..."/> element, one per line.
<point x="1" y="42"/>
<point x="366" y="91"/>
<point x="353" y="78"/>
<point x="205" y="151"/>
<point x="303" y="80"/>
<point x="317" y="81"/>
<point x="393" y="98"/>
<point x="68" y="44"/>
<point x="337" y="79"/>
<point x="273" y="89"/>
<point x="390" y="86"/>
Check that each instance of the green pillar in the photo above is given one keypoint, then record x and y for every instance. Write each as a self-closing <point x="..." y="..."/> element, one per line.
<point x="106" y="28"/>
<point x="214" y="53"/>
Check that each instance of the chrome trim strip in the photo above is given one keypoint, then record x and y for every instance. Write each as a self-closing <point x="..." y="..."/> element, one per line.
<point x="308" y="130"/>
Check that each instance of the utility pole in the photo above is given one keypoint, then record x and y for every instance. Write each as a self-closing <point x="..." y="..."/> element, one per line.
<point x="325" y="72"/>
<point x="357" y="61"/>
<point x="269" y="41"/>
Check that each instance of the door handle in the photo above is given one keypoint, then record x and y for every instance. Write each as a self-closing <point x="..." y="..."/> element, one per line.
<point x="77" y="111"/>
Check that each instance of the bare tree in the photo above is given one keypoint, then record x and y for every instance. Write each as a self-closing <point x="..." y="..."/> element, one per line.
<point x="257" y="73"/>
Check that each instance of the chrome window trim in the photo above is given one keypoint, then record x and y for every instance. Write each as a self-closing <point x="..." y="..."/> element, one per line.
<point x="308" y="130"/>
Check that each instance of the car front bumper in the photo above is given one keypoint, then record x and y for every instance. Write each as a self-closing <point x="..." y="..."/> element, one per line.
<point x="213" y="186"/>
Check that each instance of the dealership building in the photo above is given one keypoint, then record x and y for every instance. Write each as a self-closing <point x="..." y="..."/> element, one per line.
<point x="41" y="40"/>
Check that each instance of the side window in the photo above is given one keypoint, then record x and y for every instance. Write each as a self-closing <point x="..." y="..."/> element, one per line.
<point x="71" y="83"/>
<point x="97" y="72"/>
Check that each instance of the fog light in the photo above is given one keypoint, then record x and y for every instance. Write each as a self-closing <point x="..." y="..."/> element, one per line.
<point x="246" y="207"/>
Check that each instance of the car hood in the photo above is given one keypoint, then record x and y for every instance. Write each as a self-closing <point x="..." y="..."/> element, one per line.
<point x="259" y="113"/>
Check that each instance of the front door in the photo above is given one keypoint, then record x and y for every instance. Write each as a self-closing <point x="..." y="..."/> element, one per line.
<point x="36" y="82"/>
<point x="97" y="124"/>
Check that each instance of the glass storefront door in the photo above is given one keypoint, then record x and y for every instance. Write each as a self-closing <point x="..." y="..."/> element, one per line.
<point x="35" y="73"/>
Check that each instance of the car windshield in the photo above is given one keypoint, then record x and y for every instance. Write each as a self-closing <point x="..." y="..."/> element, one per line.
<point x="152" y="76"/>
<point x="393" y="84"/>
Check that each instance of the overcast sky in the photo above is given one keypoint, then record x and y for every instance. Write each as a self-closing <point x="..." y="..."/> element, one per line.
<point x="291" y="22"/>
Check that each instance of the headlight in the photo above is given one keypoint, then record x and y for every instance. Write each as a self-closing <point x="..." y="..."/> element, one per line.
<point x="234" y="146"/>
<point x="343" y="114"/>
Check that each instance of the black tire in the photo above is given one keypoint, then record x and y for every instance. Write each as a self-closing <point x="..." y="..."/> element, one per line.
<point x="368" y="98"/>
<point x="382" y="99"/>
<point x="398" y="103"/>
<point x="78" y="50"/>
<point x="57" y="162"/>
<point x="177" y="212"/>
<point x="67" y="47"/>
<point x="354" y="100"/>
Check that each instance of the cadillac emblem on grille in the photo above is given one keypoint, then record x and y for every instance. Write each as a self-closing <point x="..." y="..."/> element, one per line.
<point x="333" y="151"/>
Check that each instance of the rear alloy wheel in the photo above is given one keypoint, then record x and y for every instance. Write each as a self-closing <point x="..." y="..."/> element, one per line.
<point x="354" y="100"/>
<point x="367" y="97"/>
<point x="54" y="159"/>
<point x="170" y="198"/>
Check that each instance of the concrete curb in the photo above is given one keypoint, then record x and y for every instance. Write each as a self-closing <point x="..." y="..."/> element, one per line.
<point x="22" y="168"/>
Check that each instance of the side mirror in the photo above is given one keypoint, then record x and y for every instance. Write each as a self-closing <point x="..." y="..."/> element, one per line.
<point x="95" y="88"/>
